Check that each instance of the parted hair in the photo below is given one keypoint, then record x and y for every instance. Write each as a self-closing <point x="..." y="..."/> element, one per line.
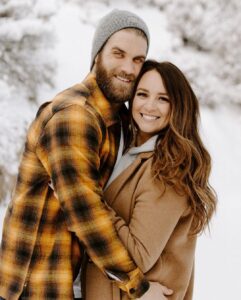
<point x="180" y="159"/>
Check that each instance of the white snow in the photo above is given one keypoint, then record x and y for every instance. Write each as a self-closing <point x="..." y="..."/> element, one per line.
<point x="2" y="214"/>
<point x="218" y="258"/>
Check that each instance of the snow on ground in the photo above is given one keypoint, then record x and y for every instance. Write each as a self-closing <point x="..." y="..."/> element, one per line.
<point x="218" y="260"/>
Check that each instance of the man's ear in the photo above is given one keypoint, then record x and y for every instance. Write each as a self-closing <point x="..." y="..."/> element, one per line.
<point x="96" y="58"/>
<point x="94" y="65"/>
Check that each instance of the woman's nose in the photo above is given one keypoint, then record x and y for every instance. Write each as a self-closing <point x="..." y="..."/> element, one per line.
<point x="150" y="104"/>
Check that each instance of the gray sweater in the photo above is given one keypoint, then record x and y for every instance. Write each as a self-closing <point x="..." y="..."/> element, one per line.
<point x="123" y="161"/>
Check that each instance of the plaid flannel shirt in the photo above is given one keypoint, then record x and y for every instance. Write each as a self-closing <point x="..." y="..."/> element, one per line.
<point x="73" y="143"/>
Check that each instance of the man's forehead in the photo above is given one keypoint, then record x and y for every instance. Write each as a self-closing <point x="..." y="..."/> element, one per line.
<point x="127" y="33"/>
<point x="126" y="39"/>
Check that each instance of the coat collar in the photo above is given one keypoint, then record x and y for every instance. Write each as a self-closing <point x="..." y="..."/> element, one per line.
<point x="117" y="184"/>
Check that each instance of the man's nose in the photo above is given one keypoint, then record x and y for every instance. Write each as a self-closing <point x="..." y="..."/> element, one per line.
<point x="128" y="67"/>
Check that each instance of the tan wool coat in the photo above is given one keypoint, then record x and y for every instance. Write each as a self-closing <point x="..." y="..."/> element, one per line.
<point x="155" y="228"/>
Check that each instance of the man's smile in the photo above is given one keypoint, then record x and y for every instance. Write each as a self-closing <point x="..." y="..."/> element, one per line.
<point x="123" y="79"/>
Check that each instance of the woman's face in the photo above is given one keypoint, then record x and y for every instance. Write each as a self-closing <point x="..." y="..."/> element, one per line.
<point x="151" y="106"/>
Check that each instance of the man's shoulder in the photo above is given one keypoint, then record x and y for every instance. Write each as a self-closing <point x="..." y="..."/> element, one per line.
<point x="67" y="106"/>
<point x="75" y="95"/>
<point x="74" y="98"/>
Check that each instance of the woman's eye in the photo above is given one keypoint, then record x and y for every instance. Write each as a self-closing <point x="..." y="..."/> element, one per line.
<point x="164" y="99"/>
<point x="141" y="94"/>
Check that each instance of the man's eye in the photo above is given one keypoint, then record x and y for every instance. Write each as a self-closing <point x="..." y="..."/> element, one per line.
<point x="118" y="54"/>
<point x="140" y="60"/>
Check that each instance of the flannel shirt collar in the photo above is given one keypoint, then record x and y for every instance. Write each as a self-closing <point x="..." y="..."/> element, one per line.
<point x="100" y="103"/>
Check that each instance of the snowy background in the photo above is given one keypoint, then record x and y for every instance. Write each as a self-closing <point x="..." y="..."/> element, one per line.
<point x="45" y="48"/>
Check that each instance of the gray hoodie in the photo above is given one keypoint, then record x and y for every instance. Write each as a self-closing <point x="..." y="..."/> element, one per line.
<point x="127" y="159"/>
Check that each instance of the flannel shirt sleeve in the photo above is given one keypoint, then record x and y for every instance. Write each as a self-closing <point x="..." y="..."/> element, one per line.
<point x="69" y="148"/>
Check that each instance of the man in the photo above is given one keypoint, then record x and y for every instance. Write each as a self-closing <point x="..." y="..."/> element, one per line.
<point x="73" y="143"/>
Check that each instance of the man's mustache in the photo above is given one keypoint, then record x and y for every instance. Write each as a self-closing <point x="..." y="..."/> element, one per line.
<point x="131" y="77"/>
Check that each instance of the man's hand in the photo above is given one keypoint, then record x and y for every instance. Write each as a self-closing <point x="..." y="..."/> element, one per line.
<point x="157" y="291"/>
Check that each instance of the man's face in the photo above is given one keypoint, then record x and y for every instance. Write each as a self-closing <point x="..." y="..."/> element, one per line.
<point x="119" y="63"/>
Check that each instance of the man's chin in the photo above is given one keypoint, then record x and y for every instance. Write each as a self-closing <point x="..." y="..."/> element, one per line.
<point x="122" y="96"/>
<point x="122" y="92"/>
<point x="117" y="92"/>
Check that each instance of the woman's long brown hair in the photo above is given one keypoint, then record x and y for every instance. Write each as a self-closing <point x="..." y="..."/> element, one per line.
<point x="180" y="158"/>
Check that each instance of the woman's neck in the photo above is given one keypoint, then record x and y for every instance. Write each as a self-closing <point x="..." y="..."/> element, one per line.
<point x="141" y="138"/>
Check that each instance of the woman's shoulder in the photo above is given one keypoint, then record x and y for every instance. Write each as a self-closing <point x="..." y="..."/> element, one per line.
<point x="159" y="191"/>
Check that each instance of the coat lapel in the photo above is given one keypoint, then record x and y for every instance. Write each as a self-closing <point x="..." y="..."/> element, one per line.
<point x="117" y="184"/>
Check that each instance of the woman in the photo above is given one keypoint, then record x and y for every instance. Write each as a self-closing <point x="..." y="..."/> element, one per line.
<point x="158" y="194"/>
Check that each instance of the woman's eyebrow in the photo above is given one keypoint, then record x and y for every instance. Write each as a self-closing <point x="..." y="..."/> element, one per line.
<point x="142" y="89"/>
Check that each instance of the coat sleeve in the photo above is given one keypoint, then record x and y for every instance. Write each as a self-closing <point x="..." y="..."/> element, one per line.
<point x="69" y="148"/>
<point x="153" y="219"/>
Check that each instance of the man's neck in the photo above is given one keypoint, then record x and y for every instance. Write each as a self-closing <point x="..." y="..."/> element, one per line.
<point x="116" y="107"/>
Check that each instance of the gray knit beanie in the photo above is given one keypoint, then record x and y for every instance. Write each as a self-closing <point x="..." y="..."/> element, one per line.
<point x="113" y="22"/>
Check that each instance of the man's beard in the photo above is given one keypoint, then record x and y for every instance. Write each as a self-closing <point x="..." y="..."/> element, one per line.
<point x="114" y="92"/>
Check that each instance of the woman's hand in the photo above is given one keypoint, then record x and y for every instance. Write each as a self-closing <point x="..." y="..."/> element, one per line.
<point x="157" y="291"/>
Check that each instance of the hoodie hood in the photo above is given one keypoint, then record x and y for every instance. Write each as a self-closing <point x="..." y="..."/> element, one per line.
<point x="148" y="146"/>
<point x="128" y="158"/>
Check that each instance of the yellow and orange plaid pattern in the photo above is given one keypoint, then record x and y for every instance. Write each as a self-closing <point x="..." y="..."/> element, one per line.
<point x="72" y="143"/>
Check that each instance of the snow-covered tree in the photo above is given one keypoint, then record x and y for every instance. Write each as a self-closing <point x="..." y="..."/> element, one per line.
<point x="209" y="47"/>
<point x="25" y="41"/>
<point x="206" y="45"/>
<point x="26" y="64"/>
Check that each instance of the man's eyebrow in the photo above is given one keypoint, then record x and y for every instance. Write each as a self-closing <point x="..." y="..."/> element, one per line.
<point x="141" y="56"/>
<point x="115" y="48"/>
<point x="118" y="49"/>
